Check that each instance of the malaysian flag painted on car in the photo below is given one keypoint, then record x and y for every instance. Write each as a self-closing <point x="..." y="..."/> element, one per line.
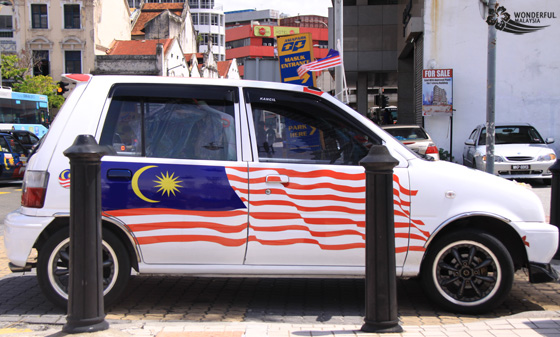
<point x="321" y="208"/>
<point x="177" y="203"/>
<point x="332" y="59"/>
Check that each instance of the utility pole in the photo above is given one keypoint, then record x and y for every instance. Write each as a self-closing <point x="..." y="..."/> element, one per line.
<point x="338" y="34"/>
<point x="491" y="90"/>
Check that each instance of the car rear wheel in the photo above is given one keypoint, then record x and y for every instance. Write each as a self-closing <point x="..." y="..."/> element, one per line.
<point x="468" y="271"/>
<point x="53" y="267"/>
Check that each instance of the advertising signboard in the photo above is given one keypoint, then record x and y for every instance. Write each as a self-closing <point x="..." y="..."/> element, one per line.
<point x="437" y="92"/>
<point x="274" y="31"/>
<point x="293" y="51"/>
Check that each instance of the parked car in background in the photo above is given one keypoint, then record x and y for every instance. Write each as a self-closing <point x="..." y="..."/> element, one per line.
<point x="415" y="138"/>
<point x="13" y="158"/>
<point x="519" y="152"/>
<point x="250" y="178"/>
<point x="27" y="139"/>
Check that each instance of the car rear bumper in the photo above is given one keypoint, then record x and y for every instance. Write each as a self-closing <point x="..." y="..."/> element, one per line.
<point x="20" y="233"/>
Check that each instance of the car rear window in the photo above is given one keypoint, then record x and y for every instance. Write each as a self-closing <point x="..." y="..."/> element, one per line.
<point x="179" y="121"/>
<point x="408" y="133"/>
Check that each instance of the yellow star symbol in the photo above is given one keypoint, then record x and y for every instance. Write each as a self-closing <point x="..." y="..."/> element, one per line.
<point x="168" y="183"/>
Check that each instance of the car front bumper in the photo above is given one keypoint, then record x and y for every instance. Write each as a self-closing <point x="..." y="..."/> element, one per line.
<point x="540" y="240"/>
<point x="541" y="273"/>
<point x="522" y="170"/>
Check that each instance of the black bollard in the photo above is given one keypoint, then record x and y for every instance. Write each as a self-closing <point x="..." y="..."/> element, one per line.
<point x="381" y="278"/>
<point x="555" y="199"/>
<point x="85" y="289"/>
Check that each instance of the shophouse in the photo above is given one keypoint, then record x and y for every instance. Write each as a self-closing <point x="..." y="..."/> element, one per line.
<point x="62" y="36"/>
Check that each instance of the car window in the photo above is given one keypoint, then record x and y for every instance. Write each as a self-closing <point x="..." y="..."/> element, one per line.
<point x="295" y="128"/>
<point x="4" y="145"/>
<point x="26" y="138"/>
<point x="15" y="145"/>
<point x="523" y="134"/>
<point x="473" y="135"/>
<point x="184" y="122"/>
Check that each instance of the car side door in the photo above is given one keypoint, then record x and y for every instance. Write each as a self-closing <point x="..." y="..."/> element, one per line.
<point x="307" y="189"/>
<point x="173" y="178"/>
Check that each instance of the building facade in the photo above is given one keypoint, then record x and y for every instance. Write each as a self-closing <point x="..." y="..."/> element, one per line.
<point x="268" y="17"/>
<point x="166" y="20"/>
<point x="370" y="50"/>
<point x="209" y="21"/>
<point x="63" y="36"/>
<point x="259" y="41"/>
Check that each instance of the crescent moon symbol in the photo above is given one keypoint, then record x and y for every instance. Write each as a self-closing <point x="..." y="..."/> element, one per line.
<point x="135" y="187"/>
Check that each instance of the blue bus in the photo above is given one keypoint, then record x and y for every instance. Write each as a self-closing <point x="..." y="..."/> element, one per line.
<point x="22" y="111"/>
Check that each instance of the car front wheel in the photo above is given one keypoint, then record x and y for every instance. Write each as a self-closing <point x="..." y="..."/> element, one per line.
<point x="468" y="272"/>
<point x="53" y="267"/>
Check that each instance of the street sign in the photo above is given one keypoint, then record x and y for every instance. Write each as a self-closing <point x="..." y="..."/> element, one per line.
<point x="293" y="51"/>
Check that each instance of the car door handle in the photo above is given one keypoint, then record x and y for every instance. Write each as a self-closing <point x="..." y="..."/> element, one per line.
<point x="277" y="178"/>
<point x="119" y="174"/>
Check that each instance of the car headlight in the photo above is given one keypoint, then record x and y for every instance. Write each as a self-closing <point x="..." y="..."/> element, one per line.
<point x="497" y="159"/>
<point x="547" y="157"/>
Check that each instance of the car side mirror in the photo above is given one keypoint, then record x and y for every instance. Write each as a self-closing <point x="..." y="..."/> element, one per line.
<point x="549" y="140"/>
<point x="469" y="142"/>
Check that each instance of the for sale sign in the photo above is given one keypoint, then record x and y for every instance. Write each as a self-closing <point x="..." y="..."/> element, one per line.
<point x="437" y="92"/>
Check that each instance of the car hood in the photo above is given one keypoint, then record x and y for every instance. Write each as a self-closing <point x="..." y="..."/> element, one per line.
<point x="512" y="150"/>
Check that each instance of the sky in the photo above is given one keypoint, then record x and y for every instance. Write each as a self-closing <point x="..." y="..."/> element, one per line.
<point x="290" y="7"/>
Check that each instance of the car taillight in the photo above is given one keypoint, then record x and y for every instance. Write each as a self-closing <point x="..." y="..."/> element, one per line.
<point x="34" y="188"/>
<point x="432" y="148"/>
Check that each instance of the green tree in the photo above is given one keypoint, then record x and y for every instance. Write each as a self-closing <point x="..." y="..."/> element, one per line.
<point x="43" y="85"/>
<point x="16" y="73"/>
<point x="12" y="68"/>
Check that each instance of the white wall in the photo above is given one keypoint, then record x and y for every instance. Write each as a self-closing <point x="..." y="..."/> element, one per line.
<point x="527" y="68"/>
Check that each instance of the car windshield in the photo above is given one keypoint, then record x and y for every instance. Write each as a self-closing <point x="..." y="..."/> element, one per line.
<point x="513" y="135"/>
<point x="407" y="133"/>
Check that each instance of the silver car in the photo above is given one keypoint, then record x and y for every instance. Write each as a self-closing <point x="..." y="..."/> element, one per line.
<point x="519" y="152"/>
<point x="415" y="138"/>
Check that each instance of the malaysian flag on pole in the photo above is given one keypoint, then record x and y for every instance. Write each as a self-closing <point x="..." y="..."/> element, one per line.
<point x="332" y="59"/>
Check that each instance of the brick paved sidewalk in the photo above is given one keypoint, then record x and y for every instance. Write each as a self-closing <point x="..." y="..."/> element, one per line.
<point x="526" y="325"/>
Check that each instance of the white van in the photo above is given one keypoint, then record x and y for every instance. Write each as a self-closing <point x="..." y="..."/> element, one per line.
<point x="242" y="178"/>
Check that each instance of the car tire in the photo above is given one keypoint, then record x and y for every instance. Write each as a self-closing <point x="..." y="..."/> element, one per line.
<point x="468" y="272"/>
<point x="53" y="268"/>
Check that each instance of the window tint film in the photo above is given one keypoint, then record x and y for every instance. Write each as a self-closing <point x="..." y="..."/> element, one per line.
<point x="301" y="128"/>
<point x="185" y="122"/>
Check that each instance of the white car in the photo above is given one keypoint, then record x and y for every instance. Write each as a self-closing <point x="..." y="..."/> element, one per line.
<point x="415" y="138"/>
<point x="519" y="152"/>
<point x="257" y="179"/>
